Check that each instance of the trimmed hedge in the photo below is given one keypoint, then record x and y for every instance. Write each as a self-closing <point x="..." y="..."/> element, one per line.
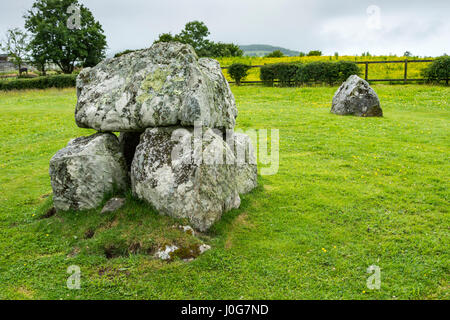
<point x="289" y="74"/>
<point x="58" y="81"/>
<point x="238" y="71"/>
<point x="439" y="70"/>
<point x="284" y="72"/>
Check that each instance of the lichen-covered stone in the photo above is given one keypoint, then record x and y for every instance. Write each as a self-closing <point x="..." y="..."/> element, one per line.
<point x="164" y="85"/>
<point x="246" y="167"/>
<point x="356" y="97"/>
<point x="87" y="170"/>
<point x="182" y="173"/>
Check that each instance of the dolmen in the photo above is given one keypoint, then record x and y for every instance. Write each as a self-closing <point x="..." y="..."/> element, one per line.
<point x="165" y="129"/>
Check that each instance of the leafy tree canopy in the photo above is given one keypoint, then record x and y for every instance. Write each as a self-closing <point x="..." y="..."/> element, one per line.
<point x="195" y="33"/>
<point x="314" y="53"/>
<point x="53" y="40"/>
<point x="275" y="54"/>
<point x="238" y="71"/>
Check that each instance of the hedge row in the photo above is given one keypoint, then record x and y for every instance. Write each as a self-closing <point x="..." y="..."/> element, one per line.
<point x="289" y="74"/>
<point x="439" y="70"/>
<point x="58" y="81"/>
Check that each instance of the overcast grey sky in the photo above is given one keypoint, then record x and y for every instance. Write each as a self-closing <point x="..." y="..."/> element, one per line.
<point x="422" y="27"/>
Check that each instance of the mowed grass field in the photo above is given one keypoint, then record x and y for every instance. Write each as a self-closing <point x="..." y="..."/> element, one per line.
<point x="350" y="193"/>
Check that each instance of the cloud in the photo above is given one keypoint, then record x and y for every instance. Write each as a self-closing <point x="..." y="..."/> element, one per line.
<point x="418" y="26"/>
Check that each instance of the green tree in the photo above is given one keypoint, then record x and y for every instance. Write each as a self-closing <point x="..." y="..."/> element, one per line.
<point x="407" y="54"/>
<point x="275" y="54"/>
<point x="54" y="40"/>
<point x="313" y="53"/>
<point x="39" y="58"/>
<point x="220" y="49"/>
<point x="195" y="34"/>
<point x="238" y="71"/>
<point x="439" y="70"/>
<point x="16" y="46"/>
<point x="165" y="37"/>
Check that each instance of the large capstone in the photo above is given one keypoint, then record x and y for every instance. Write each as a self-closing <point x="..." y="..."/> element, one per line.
<point x="86" y="171"/>
<point x="164" y="85"/>
<point x="185" y="173"/>
<point x="356" y="97"/>
<point x="246" y="168"/>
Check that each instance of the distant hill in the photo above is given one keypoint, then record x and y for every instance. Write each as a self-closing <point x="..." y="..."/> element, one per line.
<point x="260" y="50"/>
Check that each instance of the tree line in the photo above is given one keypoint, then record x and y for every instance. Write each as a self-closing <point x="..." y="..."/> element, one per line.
<point x="49" y="39"/>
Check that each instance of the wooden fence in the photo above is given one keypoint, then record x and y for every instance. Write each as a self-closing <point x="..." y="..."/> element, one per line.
<point x="366" y="72"/>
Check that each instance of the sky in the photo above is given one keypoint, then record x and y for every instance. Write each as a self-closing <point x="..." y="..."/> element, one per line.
<point x="347" y="27"/>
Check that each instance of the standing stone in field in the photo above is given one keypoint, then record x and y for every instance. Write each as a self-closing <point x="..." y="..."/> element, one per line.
<point x="246" y="169"/>
<point x="356" y="97"/>
<point x="87" y="170"/>
<point x="164" y="85"/>
<point x="184" y="175"/>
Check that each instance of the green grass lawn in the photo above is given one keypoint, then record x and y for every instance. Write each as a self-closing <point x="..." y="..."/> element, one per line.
<point x="350" y="193"/>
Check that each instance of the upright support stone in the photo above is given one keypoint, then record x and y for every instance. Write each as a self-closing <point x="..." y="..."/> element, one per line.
<point x="183" y="173"/>
<point x="86" y="171"/>
<point x="246" y="168"/>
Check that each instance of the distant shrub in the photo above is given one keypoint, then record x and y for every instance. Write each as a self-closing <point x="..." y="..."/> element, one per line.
<point x="315" y="72"/>
<point x="314" y="53"/>
<point x="238" y="71"/>
<point x="318" y="72"/>
<point x="58" y="81"/>
<point x="123" y="52"/>
<point x="439" y="70"/>
<point x="284" y="72"/>
<point x="275" y="54"/>
<point x="347" y="69"/>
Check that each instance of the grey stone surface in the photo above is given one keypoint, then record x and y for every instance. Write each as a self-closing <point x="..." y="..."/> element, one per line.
<point x="203" y="248"/>
<point x="184" y="175"/>
<point x="164" y="85"/>
<point x="356" y="97"/>
<point x="165" y="253"/>
<point x="113" y="204"/>
<point x="85" y="171"/>
<point x="246" y="167"/>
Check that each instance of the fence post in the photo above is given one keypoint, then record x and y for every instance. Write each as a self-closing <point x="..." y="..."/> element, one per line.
<point x="406" y="71"/>
<point x="367" y="71"/>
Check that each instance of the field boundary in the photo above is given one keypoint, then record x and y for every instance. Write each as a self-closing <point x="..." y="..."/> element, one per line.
<point x="366" y="72"/>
